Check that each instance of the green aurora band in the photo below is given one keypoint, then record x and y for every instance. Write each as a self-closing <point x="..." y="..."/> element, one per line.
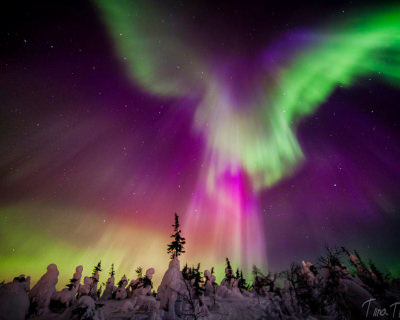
<point x="258" y="134"/>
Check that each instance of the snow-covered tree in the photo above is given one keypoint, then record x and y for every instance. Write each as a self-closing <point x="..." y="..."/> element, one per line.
<point x="229" y="279"/>
<point x="95" y="273"/>
<point x="121" y="292"/>
<point x="172" y="284"/>
<point x="64" y="298"/>
<point x="86" y="288"/>
<point x="41" y="293"/>
<point x="14" y="301"/>
<point x="110" y="287"/>
<point x="76" y="278"/>
<point x="95" y="277"/>
<point x="242" y="285"/>
<point x="112" y="272"/>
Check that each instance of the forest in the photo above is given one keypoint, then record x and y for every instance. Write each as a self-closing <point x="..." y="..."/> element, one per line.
<point x="339" y="285"/>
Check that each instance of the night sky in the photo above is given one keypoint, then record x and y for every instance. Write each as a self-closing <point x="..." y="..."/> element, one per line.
<point x="272" y="129"/>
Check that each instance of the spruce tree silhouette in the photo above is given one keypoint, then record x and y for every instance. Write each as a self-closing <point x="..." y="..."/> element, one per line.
<point x="139" y="272"/>
<point x="230" y="274"/>
<point x="96" y="269"/>
<point x="175" y="248"/>
<point x="112" y="271"/>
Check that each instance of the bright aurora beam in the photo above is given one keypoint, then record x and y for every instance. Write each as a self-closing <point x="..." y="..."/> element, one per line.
<point x="249" y="135"/>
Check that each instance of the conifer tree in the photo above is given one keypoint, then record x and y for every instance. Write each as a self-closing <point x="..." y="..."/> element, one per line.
<point x="71" y="283"/>
<point x="230" y="270"/>
<point x="139" y="272"/>
<point x="196" y="276"/>
<point x="96" y="269"/>
<point x="185" y="272"/>
<point x="121" y="282"/>
<point x="257" y="272"/>
<point x="242" y="282"/>
<point x="175" y="248"/>
<point x="147" y="282"/>
<point x="379" y="275"/>
<point x="112" y="272"/>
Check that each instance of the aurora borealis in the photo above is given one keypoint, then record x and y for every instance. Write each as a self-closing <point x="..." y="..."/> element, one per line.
<point x="271" y="133"/>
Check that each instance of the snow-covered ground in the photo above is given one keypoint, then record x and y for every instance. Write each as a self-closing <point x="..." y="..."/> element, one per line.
<point x="326" y="292"/>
